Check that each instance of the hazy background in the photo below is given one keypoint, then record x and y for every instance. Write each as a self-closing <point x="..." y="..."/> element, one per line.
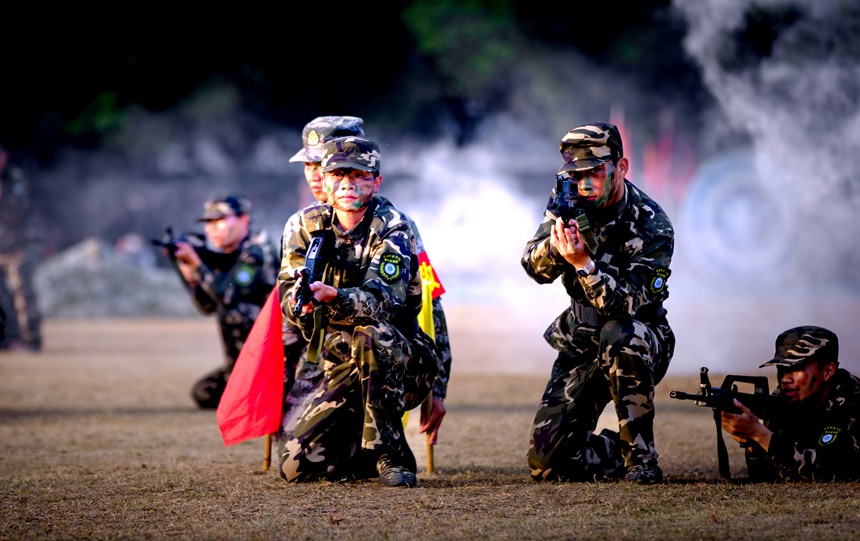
<point x="741" y="117"/>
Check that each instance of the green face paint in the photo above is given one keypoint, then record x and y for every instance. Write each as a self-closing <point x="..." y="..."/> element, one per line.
<point x="349" y="190"/>
<point x="595" y="185"/>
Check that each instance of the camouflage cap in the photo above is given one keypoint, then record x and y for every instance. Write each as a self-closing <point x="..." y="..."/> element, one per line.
<point x="223" y="206"/>
<point x="322" y="129"/>
<point x="590" y="145"/>
<point x="800" y="345"/>
<point x="350" y="153"/>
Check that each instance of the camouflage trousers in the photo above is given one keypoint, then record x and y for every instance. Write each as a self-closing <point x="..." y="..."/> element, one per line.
<point x="621" y="364"/>
<point x="16" y="269"/>
<point x="371" y="375"/>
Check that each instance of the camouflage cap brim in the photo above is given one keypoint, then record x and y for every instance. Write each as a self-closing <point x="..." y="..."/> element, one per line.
<point x="346" y="165"/>
<point x="221" y="207"/>
<point x="582" y="165"/>
<point x="305" y="155"/>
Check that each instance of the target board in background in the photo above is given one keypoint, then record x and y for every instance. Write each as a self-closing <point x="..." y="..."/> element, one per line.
<point x="732" y="226"/>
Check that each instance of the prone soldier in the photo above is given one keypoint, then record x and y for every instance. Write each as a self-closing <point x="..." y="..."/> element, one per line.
<point x="816" y="434"/>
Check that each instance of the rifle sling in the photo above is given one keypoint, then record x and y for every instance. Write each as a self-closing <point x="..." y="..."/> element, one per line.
<point x="317" y="335"/>
<point x="587" y="233"/>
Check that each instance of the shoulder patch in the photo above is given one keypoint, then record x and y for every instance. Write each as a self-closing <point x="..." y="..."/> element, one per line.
<point x="244" y="275"/>
<point x="658" y="281"/>
<point x="390" y="267"/>
<point x="829" y="435"/>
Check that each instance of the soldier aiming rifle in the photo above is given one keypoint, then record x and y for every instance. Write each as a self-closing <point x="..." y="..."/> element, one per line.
<point x="229" y="272"/>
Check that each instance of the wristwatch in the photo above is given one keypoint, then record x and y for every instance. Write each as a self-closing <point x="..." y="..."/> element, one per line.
<point x="586" y="270"/>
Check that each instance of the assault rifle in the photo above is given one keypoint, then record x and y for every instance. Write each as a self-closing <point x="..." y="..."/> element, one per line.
<point x="310" y="273"/>
<point x="722" y="398"/>
<point x="210" y="258"/>
<point x="313" y="272"/>
<point x="564" y="205"/>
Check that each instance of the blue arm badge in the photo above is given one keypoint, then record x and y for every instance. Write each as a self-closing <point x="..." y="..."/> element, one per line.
<point x="658" y="281"/>
<point x="390" y="267"/>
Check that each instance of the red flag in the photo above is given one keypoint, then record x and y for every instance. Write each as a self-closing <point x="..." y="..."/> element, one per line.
<point x="252" y="401"/>
<point x="429" y="276"/>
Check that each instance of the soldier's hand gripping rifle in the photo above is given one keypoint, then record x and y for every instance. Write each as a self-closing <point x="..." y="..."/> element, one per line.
<point x="564" y="205"/>
<point x="722" y="398"/>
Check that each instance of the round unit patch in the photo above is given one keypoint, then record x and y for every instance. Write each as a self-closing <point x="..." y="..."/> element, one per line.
<point x="244" y="275"/>
<point x="829" y="435"/>
<point x="390" y="267"/>
<point x="658" y="282"/>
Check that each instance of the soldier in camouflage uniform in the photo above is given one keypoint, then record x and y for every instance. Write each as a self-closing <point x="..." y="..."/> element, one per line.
<point x="20" y="249"/>
<point x="376" y="361"/>
<point x="234" y="285"/>
<point x="614" y="342"/>
<point x="306" y="376"/>
<point x="817" y="436"/>
<point x="301" y="378"/>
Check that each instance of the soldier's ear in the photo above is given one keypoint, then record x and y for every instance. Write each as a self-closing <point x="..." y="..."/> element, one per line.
<point x="378" y="183"/>
<point x="623" y="166"/>
<point x="829" y="370"/>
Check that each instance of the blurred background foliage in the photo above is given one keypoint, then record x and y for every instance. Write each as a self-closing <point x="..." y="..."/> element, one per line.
<point x="72" y="74"/>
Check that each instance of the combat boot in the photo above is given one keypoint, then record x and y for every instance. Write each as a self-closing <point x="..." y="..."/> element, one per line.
<point x="644" y="474"/>
<point x="393" y="474"/>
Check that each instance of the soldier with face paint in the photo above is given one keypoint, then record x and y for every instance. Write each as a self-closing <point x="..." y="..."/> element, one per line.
<point x="302" y="377"/>
<point x="817" y="436"/>
<point x="235" y="286"/>
<point x="376" y="361"/>
<point x="614" y="342"/>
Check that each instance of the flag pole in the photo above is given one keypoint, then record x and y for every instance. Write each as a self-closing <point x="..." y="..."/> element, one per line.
<point x="267" y="453"/>
<point x="426" y="409"/>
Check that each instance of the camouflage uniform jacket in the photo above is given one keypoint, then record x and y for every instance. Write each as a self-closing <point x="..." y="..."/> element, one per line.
<point x="443" y="342"/>
<point x="635" y="245"/>
<point x="820" y="445"/>
<point x="440" y="324"/>
<point x="237" y="290"/>
<point x="374" y="267"/>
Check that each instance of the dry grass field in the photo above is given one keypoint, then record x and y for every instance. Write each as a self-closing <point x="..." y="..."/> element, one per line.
<point x="99" y="440"/>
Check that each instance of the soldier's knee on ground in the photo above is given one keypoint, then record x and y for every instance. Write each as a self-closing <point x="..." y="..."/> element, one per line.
<point x="207" y="392"/>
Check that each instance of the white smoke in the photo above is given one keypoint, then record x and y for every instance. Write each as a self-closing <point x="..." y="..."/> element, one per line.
<point x="795" y="97"/>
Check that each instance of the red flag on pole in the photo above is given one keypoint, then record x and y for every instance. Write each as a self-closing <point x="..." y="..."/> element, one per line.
<point x="429" y="276"/>
<point x="253" y="398"/>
